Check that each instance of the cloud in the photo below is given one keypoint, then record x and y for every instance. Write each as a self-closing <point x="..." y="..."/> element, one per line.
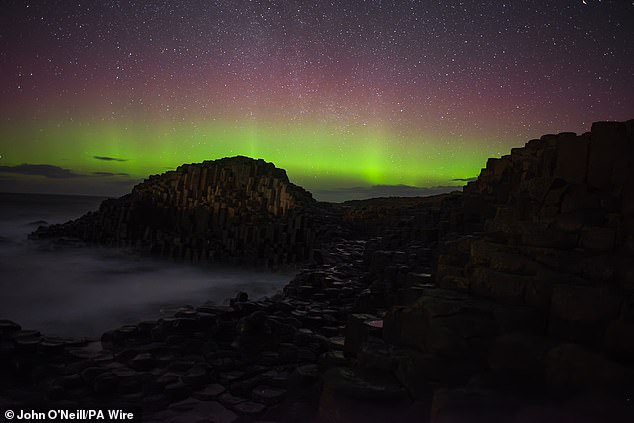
<point x="48" y="171"/>
<point x="362" y="193"/>
<point x="465" y="179"/>
<point x="109" y="159"/>
<point x="110" y="174"/>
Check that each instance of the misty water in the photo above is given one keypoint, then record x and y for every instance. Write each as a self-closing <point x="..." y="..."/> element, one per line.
<point x="84" y="291"/>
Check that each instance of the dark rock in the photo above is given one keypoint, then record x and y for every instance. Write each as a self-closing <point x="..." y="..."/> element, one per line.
<point x="581" y="313"/>
<point x="268" y="395"/>
<point x="358" y="329"/>
<point x="519" y="357"/>
<point x="144" y="361"/>
<point x="288" y="352"/>
<point x="192" y="410"/>
<point x="210" y="392"/>
<point x="89" y="374"/>
<point x="230" y="377"/>
<point x="249" y="408"/>
<point x="241" y="297"/>
<point x="196" y="376"/>
<point x="105" y="383"/>
<point x="472" y="405"/>
<point x="348" y="394"/>
<point x="244" y="387"/>
<point x="71" y="381"/>
<point x="619" y="340"/>
<point x="571" y="368"/>
<point x="306" y="374"/>
<point x="177" y="391"/>
<point x="254" y="332"/>
<point x="7" y="328"/>
<point x="228" y="208"/>
<point x="347" y="382"/>
<point x="333" y="359"/>
<point x="230" y="400"/>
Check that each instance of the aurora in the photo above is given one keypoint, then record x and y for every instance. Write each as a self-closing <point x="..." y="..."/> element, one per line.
<point x="339" y="95"/>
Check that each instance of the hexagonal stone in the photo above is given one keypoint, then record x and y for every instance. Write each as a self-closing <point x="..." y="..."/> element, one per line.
<point x="307" y="373"/>
<point x="196" y="376"/>
<point x="230" y="400"/>
<point x="228" y="377"/>
<point x="209" y="392"/>
<point x="143" y="361"/>
<point x="192" y="410"/>
<point x="268" y="395"/>
<point x="154" y="402"/>
<point x="51" y="346"/>
<point x="249" y="408"/>
<point x="8" y="327"/>
<point x="105" y="383"/>
<point x="177" y="390"/>
<point x="337" y="342"/>
<point x="90" y="373"/>
<point x="168" y="378"/>
<point x="71" y="381"/>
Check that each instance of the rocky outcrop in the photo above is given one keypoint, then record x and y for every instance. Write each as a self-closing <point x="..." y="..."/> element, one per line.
<point x="512" y="301"/>
<point x="236" y="209"/>
<point x="535" y="304"/>
<point x="402" y="220"/>
<point x="561" y="239"/>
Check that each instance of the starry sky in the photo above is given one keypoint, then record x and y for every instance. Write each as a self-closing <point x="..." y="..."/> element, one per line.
<point x="347" y="96"/>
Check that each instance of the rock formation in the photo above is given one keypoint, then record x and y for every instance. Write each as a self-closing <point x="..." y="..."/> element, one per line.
<point x="236" y="209"/>
<point x="538" y="302"/>
<point x="512" y="301"/>
<point x="561" y="239"/>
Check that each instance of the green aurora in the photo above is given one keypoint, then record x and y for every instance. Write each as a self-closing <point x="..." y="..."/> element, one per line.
<point x="316" y="156"/>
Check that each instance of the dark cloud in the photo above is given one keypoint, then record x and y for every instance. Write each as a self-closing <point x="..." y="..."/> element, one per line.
<point x="110" y="174"/>
<point x="376" y="191"/>
<point x="109" y="159"/>
<point x="48" y="171"/>
<point x="465" y="179"/>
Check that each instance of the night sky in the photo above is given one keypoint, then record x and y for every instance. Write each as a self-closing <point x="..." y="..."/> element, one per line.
<point x="98" y="94"/>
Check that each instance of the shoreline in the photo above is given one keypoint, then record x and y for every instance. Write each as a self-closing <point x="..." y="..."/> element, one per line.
<point x="509" y="302"/>
<point x="114" y="346"/>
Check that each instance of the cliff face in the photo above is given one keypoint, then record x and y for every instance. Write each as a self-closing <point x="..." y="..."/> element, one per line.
<point x="536" y="297"/>
<point x="559" y="236"/>
<point x="236" y="208"/>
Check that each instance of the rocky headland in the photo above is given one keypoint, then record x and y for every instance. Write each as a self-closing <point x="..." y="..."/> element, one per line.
<point x="233" y="209"/>
<point x="511" y="301"/>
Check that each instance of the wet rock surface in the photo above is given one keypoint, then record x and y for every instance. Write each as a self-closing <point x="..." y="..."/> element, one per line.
<point x="510" y="302"/>
<point x="238" y="362"/>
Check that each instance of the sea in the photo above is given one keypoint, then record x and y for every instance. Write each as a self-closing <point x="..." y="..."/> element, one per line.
<point x="82" y="291"/>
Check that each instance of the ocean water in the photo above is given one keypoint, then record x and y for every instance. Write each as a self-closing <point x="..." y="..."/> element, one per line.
<point x="67" y="290"/>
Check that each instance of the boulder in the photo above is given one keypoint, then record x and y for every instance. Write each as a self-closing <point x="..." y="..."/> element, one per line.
<point x="358" y="328"/>
<point x="253" y="332"/>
